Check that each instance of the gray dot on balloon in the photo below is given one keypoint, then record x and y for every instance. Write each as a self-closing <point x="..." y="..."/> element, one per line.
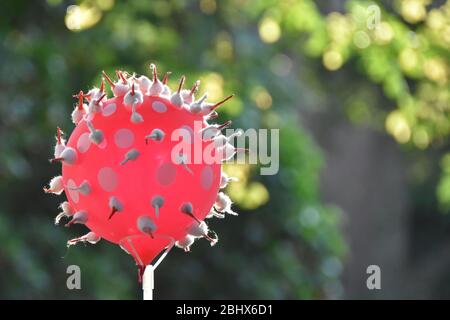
<point x="206" y="177"/>
<point x="83" y="142"/>
<point x="109" y="109"/>
<point x="124" y="138"/>
<point x="159" y="107"/>
<point x="166" y="174"/>
<point x="107" y="179"/>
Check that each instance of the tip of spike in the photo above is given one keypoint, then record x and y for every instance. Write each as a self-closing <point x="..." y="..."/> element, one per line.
<point x="180" y="86"/>
<point x="218" y="104"/>
<point x="166" y="77"/>
<point x="108" y="79"/>
<point x="195" y="87"/>
<point x="155" y="72"/>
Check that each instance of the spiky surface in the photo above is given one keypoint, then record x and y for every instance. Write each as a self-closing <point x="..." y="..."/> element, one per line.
<point x="124" y="160"/>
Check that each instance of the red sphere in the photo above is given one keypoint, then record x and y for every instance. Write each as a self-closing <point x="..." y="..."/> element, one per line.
<point x="137" y="182"/>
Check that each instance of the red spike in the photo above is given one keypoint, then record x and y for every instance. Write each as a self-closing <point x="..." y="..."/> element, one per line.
<point x="196" y="219"/>
<point x="121" y="77"/>
<point x="56" y="160"/>
<point x="113" y="212"/>
<point x="80" y="100"/>
<point x="218" y="104"/>
<point x="58" y="134"/>
<point x="213" y="115"/>
<point x="132" y="89"/>
<point x="102" y="85"/>
<point x="195" y="87"/>
<point x="97" y="102"/>
<point x="166" y="77"/>
<point x="155" y="72"/>
<point x="107" y="78"/>
<point x="226" y="124"/>
<point x="180" y="86"/>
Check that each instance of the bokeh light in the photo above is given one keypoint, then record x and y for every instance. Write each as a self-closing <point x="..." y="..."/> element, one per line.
<point x="269" y="30"/>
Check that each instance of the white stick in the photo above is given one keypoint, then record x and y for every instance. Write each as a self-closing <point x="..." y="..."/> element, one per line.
<point x="148" y="282"/>
<point x="148" y="279"/>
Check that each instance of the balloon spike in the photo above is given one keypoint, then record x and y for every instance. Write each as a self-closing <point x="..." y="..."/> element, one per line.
<point x="97" y="102"/>
<point x="80" y="100"/>
<point x="155" y="72"/>
<point x="113" y="212"/>
<point x="102" y="86"/>
<point x="54" y="160"/>
<point x="79" y="217"/>
<point x="188" y="209"/>
<point x="58" y="135"/>
<point x="194" y="87"/>
<point x="226" y="124"/>
<point x="115" y="206"/>
<point x="218" y="104"/>
<point x="121" y="76"/>
<point x="166" y="77"/>
<point x="180" y="86"/>
<point x="108" y="79"/>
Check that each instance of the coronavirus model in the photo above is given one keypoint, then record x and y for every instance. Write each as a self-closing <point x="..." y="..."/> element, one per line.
<point x="142" y="169"/>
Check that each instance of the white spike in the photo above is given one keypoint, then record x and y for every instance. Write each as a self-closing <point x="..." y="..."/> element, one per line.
<point x="212" y="131"/>
<point x="67" y="211"/>
<point x="157" y="86"/>
<point x="222" y="140"/>
<point x="196" y="107"/>
<point x="68" y="156"/>
<point x="84" y="188"/>
<point x="223" y="204"/>
<point x="79" y="217"/>
<point x="60" y="143"/>
<point x="56" y="186"/>
<point x="144" y="84"/>
<point x="134" y="97"/>
<point x="90" y="237"/>
<point x="224" y="180"/>
<point x="201" y="230"/>
<point x="185" y="243"/>
<point x="189" y="95"/>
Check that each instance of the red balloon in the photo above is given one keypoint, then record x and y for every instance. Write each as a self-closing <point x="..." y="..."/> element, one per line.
<point x="121" y="175"/>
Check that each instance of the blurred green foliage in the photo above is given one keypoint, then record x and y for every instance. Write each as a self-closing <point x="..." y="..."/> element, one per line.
<point x="404" y="46"/>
